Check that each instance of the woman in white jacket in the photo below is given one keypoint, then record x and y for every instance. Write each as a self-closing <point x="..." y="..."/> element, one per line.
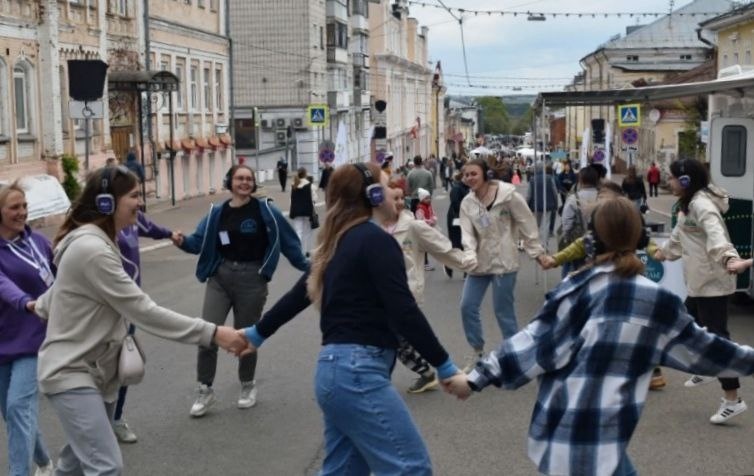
<point x="86" y="309"/>
<point x="493" y="216"/>
<point x="701" y="239"/>
<point x="303" y="196"/>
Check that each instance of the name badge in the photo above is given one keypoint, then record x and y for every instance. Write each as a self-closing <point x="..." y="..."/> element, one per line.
<point x="484" y="221"/>
<point x="224" y="238"/>
<point x="46" y="276"/>
<point x="456" y="222"/>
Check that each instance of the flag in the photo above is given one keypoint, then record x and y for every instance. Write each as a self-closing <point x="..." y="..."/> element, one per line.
<point x="584" y="148"/>
<point x="608" y="155"/>
<point x="341" y="145"/>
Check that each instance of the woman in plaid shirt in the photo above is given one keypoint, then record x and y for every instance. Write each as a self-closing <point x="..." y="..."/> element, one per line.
<point x="593" y="346"/>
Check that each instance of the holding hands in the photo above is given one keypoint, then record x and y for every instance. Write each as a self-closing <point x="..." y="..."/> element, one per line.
<point x="546" y="261"/>
<point x="738" y="266"/>
<point x="231" y="340"/>
<point x="177" y="238"/>
<point x="457" y="385"/>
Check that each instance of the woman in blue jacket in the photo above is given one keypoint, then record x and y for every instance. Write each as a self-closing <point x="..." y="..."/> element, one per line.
<point x="239" y="244"/>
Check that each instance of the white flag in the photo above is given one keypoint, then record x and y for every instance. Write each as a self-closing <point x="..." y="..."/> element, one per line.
<point x="584" y="148"/>
<point x="608" y="155"/>
<point x="341" y="145"/>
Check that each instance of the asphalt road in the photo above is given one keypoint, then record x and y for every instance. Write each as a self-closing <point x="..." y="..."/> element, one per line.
<point x="282" y="434"/>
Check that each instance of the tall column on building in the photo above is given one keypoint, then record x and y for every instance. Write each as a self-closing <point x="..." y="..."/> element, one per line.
<point x="51" y="125"/>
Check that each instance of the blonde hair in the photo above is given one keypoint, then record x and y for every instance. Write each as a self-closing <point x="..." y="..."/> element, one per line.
<point x="618" y="226"/>
<point x="6" y="190"/>
<point x="347" y="207"/>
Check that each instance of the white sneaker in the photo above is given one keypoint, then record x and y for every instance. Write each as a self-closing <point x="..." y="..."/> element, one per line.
<point x="728" y="410"/>
<point x="697" y="380"/>
<point x="123" y="432"/>
<point x="469" y="362"/>
<point x="205" y="397"/>
<point x="248" y="396"/>
<point x="45" y="470"/>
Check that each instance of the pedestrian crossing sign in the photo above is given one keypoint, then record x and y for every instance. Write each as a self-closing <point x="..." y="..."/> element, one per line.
<point x="629" y="115"/>
<point x="317" y="115"/>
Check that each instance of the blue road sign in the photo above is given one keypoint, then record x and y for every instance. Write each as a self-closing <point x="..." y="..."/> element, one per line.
<point x="630" y="136"/>
<point x="317" y="115"/>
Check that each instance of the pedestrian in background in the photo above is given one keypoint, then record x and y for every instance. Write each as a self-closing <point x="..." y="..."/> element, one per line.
<point x="701" y="238"/>
<point x="653" y="179"/>
<point x="457" y="192"/>
<point x="566" y="179"/>
<point x="324" y="176"/>
<point x="282" y="167"/>
<point x="633" y="187"/>
<point x="128" y="244"/>
<point x="26" y="271"/>
<point x="426" y="213"/>
<point x="418" y="178"/>
<point x="358" y="281"/>
<point x="432" y="166"/>
<point x="239" y="243"/>
<point x="577" y="213"/>
<point x="493" y="217"/>
<point x="86" y="313"/>
<point x="542" y="199"/>
<point x="303" y="197"/>
<point x="592" y="351"/>
<point x="133" y="165"/>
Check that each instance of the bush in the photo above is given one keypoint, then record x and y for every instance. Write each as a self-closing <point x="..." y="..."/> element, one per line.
<point x="70" y="183"/>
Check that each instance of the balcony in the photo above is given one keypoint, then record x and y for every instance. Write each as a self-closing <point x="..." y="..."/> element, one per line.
<point x="337" y="55"/>
<point x="359" y="23"/>
<point x="360" y="60"/>
<point x="336" y="9"/>
<point x="339" y="100"/>
<point x="362" y="98"/>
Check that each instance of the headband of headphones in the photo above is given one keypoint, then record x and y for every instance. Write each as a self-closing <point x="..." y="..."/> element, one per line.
<point x="105" y="200"/>
<point x="373" y="192"/>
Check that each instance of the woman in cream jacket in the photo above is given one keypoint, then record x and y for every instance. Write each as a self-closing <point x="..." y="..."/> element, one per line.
<point x="701" y="239"/>
<point x="86" y="309"/>
<point x="493" y="217"/>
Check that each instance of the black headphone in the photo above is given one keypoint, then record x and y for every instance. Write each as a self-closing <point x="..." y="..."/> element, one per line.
<point x="228" y="180"/>
<point x="105" y="200"/>
<point x="683" y="179"/>
<point x="373" y="192"/>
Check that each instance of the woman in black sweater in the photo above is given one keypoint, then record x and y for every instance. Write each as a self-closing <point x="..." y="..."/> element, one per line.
<point x="302" y="208"/>
<point x="358" y="281"/>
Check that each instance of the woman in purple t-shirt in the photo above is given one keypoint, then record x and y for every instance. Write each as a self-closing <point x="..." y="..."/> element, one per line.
<point x="26" y="271"/>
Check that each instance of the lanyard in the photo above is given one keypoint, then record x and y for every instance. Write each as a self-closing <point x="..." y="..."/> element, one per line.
<point x="33" y="258"/>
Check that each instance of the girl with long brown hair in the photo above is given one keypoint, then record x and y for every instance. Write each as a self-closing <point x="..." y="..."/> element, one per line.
<point x="592" y="348"/>
<point x="358" y="281"/>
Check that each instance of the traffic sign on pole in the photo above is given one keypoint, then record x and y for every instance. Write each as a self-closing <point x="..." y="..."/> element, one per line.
<point x="629" y="115"/>
<point x="630" y="136"/>
<point x="317" y="115"/>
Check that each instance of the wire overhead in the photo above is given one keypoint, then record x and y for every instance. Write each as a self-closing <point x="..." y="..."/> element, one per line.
<point x="458" y="18"/>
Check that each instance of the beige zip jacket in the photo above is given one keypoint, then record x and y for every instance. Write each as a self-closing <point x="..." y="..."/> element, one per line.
<point x="701" y="239"/>
<point x="494" y="234"/>
<point x="85" y="310"/>
<point x="415" y="238"/>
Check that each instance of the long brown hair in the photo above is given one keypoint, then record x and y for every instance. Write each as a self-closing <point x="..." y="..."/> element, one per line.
<point x="347" y="207"/>
<point x="617" y="225"/>
<point x="84" y="210"/>
<point x="300" y="175"/>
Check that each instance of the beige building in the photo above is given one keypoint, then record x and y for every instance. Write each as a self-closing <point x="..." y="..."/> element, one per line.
<point x="733" y="35"/>
<point x="401" y="76"/>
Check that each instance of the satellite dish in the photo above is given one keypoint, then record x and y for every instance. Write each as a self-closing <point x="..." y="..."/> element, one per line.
<point x="654" y="115"/>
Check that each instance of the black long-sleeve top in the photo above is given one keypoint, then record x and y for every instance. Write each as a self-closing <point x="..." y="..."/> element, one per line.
<point x="365" y="299"/>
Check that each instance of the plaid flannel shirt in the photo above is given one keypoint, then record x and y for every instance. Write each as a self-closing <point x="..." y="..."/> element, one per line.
<point x="592" y="347"/>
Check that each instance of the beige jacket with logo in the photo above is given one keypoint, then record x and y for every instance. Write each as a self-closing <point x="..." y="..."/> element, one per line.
<point x="415" y="238"/>
<point x="496" y="244"/>
<point x="701" y="239"/>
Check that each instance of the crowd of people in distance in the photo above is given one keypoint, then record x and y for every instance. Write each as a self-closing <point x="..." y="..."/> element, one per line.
<point x="596" y="345"/>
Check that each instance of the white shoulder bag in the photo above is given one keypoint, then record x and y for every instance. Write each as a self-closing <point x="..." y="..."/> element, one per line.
<point x="130" y="362"/>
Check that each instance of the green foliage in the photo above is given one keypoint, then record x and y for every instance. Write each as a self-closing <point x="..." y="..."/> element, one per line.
<point x="495" y="118"/>
<point x="523" y="123"/>
<point x="690" y="145"/>
<point x="71" y="185"/>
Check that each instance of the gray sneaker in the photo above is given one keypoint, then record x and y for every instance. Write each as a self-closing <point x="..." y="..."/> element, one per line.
<point x="205" y="397"/>
<point x="422" y="384"/>
<point x="248" y="396"/>
<point x="123" y="432"/>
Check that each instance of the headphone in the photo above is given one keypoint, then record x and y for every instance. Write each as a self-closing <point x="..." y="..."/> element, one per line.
<point x="683" y="180"/>
<point x="228" y="180"/>
<point x="373" y="192"/>
<point x="104" y="202"/>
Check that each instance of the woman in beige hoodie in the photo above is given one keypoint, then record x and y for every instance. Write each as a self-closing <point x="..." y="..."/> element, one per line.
<point x="86" y="309"/>
<point x="701" y="239"/>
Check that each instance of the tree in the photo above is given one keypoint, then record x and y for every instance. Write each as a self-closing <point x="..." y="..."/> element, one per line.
<point x="70" y="184"/>
<point x="495" y="118"/>
<point x="523" y="124"/>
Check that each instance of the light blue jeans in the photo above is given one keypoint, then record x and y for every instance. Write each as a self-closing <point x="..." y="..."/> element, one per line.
<point x="502" y="301"/>
<point x="368" y="428"/>
<point x="19" y="406"/>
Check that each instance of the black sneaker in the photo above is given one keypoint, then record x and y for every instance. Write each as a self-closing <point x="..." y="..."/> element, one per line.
<point x="422" y="384"/>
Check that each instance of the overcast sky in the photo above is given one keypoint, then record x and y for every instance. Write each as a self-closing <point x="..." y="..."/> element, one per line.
<point x="512" y="47"/>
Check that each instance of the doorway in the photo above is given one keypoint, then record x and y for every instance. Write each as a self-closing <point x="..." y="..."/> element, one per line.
<point x="121" y="141"/>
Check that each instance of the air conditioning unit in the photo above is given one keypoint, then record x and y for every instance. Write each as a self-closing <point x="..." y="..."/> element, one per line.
<point x="280" y="122"/>
<point x="281" y="138"/>
<point x="298" y="123"/>
<point x="266" y="124"/>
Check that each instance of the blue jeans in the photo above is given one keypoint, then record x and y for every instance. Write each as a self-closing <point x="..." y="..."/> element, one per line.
<point x="19" y="405"/>
<point x="368" y="428"/>
<point x="502" y="301"/>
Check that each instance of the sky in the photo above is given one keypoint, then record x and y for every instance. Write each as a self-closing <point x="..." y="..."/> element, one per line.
<point x="502" y="47"/>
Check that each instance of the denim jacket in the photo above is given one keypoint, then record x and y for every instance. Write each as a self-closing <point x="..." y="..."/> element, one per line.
<point x="282" y="238"/>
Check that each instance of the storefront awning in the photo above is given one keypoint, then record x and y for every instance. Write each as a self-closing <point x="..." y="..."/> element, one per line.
<point x="154" y="81"/>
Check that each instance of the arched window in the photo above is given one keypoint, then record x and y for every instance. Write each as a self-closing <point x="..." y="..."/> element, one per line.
<point x="21" y="97"/>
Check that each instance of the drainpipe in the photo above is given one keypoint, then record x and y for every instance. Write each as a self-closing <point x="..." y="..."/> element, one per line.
<point x="231" y="106"/>
<point x="147" y="66"/>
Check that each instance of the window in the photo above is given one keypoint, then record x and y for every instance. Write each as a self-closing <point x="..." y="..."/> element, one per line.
<point x="213" y="5"/>
<point x="165" y="66"/>
<point x="632" y="58"/>
<point x="685" y="57"/>
<point x="200" y="3"/>
<point x="321" y="38"/>
<point x="21" y="97"/>
<point x="219" y="89"/>
<point x="194" y="92"/>
<point x="735" y="58"/>
<point x="122" y="7"/>
<point x="337" y="35"/>
<point x="733" y="153"/>
<point x="179" y="93"/>
<point x="747" y="57"/>
<point x="725" y="61"/>
<point x="207" y="86"/>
